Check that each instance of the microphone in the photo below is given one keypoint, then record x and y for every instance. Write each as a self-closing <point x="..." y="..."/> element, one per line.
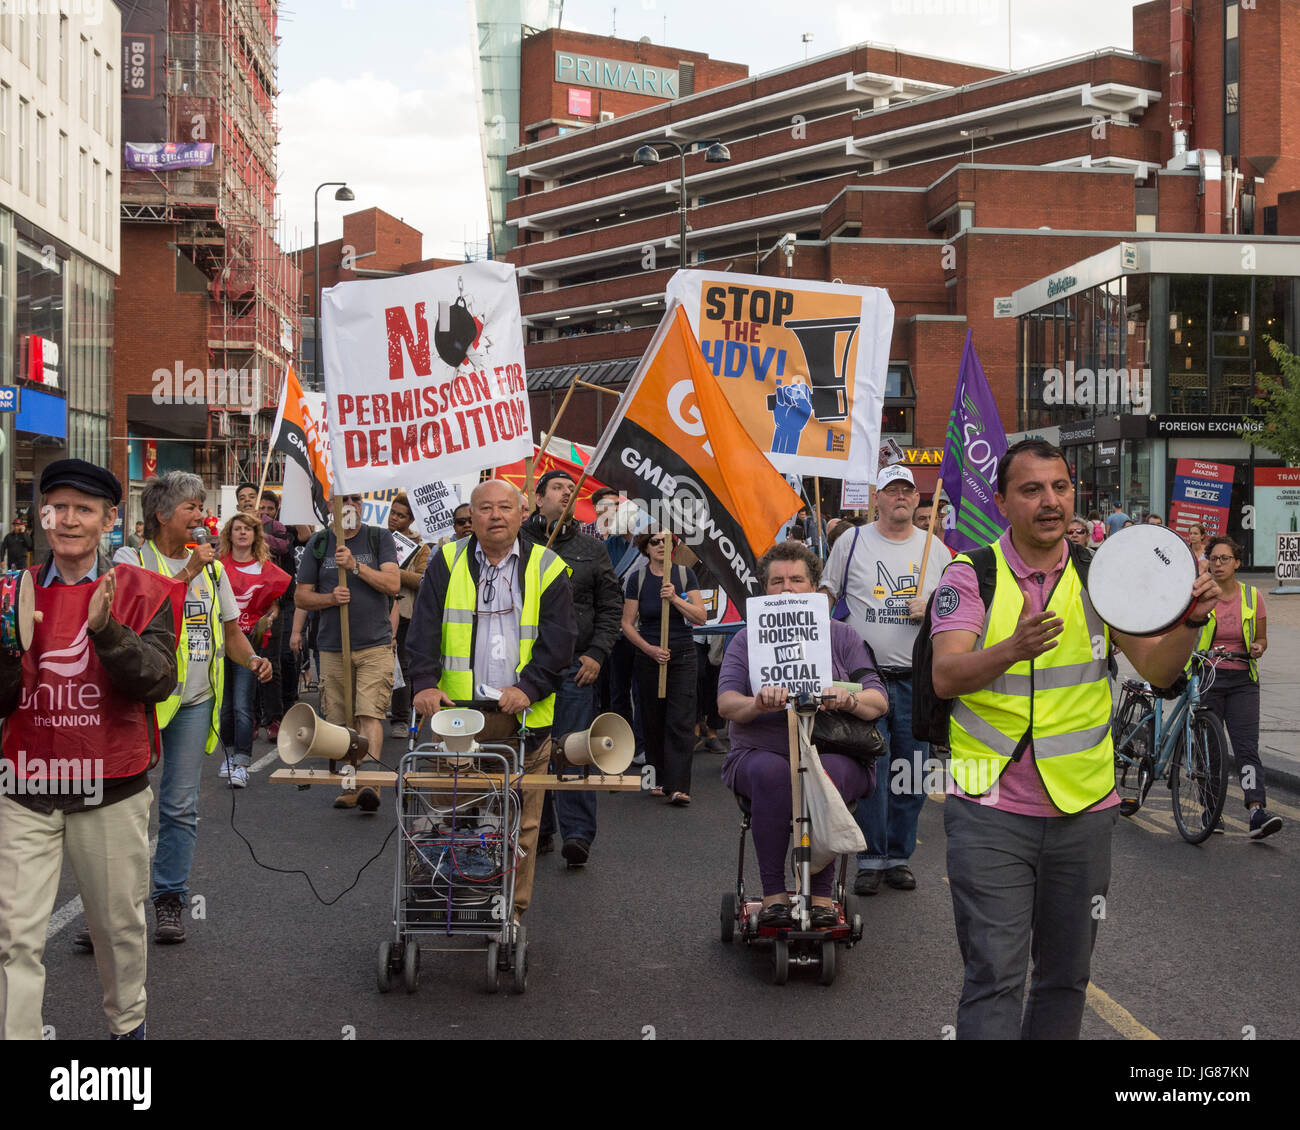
<point x="199" y="536"/>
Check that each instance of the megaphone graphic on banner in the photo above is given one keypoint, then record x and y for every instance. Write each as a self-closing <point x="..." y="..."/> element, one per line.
<point x="607" y="744"/>
<point x="304" y="733"/>
<point x="827" y="373"/>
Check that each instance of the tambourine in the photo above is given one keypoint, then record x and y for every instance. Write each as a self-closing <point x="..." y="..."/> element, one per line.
<point x="17" y="611"/>
<point x="1141" y="580"/>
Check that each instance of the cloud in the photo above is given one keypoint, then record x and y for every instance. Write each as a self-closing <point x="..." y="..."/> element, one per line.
<point x="413" y="152"/>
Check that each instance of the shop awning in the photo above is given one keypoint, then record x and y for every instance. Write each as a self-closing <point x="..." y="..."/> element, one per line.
<point x="596" y="372"/>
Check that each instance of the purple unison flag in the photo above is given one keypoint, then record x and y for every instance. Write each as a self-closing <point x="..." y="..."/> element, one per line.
<point x="974" y="445"/>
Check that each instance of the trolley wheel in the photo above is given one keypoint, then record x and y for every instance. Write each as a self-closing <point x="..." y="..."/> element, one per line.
<point x="780" y="961"/>
<point x="411" y="966"/>
<point x="729" y="916"/>
<point x="828" y="962"/>
<point x="855" y="931"/>
<point x="493" y="955"/>
<point x="751" y="928"/>
<point x="521" y="966"/>
<point x="384" y="970"/>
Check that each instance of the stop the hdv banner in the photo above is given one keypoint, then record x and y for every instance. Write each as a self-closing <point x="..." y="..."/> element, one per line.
<point x="424" y="376"/>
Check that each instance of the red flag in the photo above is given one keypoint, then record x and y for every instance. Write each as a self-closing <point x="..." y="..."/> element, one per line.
<point x="516" y="475"/>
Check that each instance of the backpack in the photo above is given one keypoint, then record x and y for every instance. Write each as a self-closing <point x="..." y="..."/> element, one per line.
<point x="321" y="537"/>
<point x="930" y="713"/>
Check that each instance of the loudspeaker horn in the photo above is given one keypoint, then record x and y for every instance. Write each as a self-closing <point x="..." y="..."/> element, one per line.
<point x="456" y="727"/>
<point x="608" y="745"/>
<point x="304" y="733"/>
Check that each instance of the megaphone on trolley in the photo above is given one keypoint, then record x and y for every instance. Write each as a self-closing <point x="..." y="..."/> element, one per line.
<point x="304" y="733"/>
<point x="607" y="745"/>
<point x="457" y="728"/>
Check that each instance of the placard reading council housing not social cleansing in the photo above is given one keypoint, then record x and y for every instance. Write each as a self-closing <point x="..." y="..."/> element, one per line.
<point x="789" y="642"/>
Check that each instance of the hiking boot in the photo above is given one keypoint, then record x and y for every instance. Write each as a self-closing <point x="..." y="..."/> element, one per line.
<point x="368" y="800"/>
<point x="170" y="929"/>
<point x="901" y="878"/>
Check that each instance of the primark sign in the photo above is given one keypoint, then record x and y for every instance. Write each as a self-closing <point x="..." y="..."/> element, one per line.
<point x="614" y="74"/>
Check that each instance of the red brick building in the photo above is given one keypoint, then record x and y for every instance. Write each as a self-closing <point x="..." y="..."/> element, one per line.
<point x="950" y="185"/>
<point x="374" y="245"/>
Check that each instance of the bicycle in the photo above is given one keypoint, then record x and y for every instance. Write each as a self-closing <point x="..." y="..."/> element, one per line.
<point x="1189" y="751"/>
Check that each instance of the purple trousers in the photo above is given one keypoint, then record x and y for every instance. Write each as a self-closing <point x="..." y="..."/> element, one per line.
<point x="764" y="777"/>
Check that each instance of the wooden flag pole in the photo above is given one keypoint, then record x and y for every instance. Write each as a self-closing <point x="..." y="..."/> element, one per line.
<point x="599" y="388"/>
<point x="568" y="509"/>
<point x="555" y="423"/>
<point x="663" y="637"/>
<point x="336" y="506"/>
<point x="929" y="533"/>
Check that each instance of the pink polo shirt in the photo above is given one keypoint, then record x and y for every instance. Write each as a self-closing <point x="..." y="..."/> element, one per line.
<point x="1020" y="788"/>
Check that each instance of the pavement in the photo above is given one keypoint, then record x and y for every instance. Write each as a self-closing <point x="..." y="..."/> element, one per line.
<point x="1279" y="695"/>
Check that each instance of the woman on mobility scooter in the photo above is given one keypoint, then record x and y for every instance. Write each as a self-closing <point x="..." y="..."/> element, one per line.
<point x="758" y="765"/>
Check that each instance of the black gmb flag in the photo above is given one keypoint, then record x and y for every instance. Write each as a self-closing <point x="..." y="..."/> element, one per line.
<point x="676" y="448"/>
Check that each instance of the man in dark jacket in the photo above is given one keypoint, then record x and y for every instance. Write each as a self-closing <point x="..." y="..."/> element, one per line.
<point x="496" y="609"/>
<point x="79" y="738"/>
<point x="598" y="606"/>
<point x="18" y="545"/>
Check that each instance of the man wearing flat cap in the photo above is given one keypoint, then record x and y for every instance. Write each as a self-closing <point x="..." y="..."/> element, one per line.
<point x="79" y="738"/>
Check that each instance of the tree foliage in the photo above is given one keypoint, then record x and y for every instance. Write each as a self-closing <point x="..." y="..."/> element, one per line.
<point x="1279" y="405"/>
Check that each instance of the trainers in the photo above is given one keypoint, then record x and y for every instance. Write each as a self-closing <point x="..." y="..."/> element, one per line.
<point x="170" y="929"/>
<point x="273" y="731"/>
<point x="397" y="730"/>
<point x="238" y="777"/>
<point x="1263" y="823"/>
<point x="224" y="771"/>
<point x="136" y="1033"/>
<point x="368" y="800"/>
<point x="867" y="882"/>
<point x="347" y="799"/>
<point x="576" y="852"/>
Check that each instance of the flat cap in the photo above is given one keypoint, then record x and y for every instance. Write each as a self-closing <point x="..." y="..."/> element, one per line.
<point x="82" y="476"/>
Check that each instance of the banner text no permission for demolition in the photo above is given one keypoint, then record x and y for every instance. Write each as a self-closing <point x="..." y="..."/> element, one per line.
<point x="424" y="375"/>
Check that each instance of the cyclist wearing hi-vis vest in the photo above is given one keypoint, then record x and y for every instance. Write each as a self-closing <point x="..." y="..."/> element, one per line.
<point x="1032" y="796"/>
<point x="1238" y="624"/>
<point x="496" y="609"/>
<point x="190" y="717"/>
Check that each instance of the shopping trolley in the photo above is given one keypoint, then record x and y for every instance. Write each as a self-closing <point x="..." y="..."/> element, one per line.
<point x="458" y="821"/>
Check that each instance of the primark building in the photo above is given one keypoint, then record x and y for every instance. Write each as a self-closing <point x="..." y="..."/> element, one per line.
<point x="1120" y="231"/>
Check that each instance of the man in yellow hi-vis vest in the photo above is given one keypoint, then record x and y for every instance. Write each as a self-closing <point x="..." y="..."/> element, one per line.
<point x="1032" y="801"/>
<point x="496" y="609"/>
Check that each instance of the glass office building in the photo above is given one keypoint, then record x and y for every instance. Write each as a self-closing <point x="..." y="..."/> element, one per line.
<point x="1151" y="353"/>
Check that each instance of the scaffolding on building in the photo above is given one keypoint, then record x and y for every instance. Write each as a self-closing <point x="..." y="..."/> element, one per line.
<point x="221" y="75"/>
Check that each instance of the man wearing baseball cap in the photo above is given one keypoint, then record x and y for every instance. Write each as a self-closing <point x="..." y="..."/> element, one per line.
<point x="79" y="738"/>
<point x="874" y="574"/>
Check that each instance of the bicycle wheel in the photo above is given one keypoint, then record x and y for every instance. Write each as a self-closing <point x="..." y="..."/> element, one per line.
<point x="1198" y="778"/>
<point x="1134" y="733"/>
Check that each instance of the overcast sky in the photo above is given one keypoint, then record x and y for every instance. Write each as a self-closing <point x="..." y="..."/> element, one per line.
<point x="380" y="92"/>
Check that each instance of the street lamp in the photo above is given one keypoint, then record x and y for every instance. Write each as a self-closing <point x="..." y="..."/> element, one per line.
<point x="344" y="193"/>
<point x="716" y="154"/>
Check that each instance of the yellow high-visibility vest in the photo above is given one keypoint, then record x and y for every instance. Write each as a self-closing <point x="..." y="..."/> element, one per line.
<point x="1060" y="701"/>
<point x="1249" y="603"/>
<point x="166" y="710"/>
<point x="541" y="570"/>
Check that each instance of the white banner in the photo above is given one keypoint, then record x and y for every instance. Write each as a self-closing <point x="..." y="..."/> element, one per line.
<point x="432" y="505"/>
<point x="424" y="376"/>
<point x="789" y="642"/>
<point x="803" y="364"/>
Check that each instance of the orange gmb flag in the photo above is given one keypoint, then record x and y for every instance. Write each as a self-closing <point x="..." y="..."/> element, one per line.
<point x="677" y="448"/>
<point x="516" y="474"/>
<point x="299" y="431"/>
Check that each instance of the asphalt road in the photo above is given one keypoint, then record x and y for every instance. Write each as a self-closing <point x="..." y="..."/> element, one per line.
<point x="1196" y="943"/>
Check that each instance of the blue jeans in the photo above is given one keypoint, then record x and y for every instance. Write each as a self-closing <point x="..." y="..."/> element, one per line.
<point x="575" y="812"/>
<point x="178" y="798"/>
<point x="237" y="713"/>
<point x="888" y="817"/>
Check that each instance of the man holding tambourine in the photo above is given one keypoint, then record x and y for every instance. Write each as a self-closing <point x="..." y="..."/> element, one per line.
<point x="1032" y="799"/>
